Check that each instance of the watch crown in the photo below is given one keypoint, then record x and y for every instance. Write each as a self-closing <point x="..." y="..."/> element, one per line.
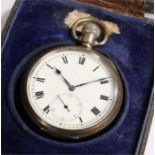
<point x="90" y="32"/>
<point x="91" y="28"/>
<point x="93" y="32"/>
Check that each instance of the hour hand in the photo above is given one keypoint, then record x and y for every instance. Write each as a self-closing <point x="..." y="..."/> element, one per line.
<point x="71" y="88"/>
<point x="82" y="84"/>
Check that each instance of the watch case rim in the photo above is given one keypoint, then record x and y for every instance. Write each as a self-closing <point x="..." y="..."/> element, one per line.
<point x="64" y="134"/>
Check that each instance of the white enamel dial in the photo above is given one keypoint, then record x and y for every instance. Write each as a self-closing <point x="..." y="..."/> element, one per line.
<point x="71" y="90"/>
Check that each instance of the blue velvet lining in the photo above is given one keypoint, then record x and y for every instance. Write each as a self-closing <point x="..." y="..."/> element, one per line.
<point x="39" y="25"/>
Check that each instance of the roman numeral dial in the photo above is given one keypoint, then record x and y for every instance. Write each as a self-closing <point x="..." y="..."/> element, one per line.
<point x="71" y="90"/>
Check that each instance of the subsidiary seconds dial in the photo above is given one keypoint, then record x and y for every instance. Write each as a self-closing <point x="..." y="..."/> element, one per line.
<point x="72" y="92"/>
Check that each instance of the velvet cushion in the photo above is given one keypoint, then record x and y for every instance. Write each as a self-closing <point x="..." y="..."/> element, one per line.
<point x="38" y="25"/>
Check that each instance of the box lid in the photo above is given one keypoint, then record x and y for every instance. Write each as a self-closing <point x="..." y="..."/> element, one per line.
<point x="133" y="8"/>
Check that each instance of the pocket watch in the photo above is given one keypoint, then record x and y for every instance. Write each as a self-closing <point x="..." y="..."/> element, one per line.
<point x="74" y="92"/>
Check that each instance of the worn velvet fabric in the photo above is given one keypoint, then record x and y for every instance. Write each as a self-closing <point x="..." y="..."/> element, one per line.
<point x="38" y="25"/>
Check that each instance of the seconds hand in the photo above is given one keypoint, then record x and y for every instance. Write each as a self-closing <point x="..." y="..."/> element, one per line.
<point x="65" y="106"/>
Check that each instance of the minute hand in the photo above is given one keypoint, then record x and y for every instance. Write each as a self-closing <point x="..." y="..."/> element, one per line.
<point x="82" y="84"/>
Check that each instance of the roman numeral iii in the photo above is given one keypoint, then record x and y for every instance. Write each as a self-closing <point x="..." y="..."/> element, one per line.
<point x="102" y="97"/>
<point x="104" y="82"/>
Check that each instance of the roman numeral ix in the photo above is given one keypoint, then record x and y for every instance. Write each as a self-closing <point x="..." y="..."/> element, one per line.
<point x="39" y="94"/>
<point x="40" y="79"/>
